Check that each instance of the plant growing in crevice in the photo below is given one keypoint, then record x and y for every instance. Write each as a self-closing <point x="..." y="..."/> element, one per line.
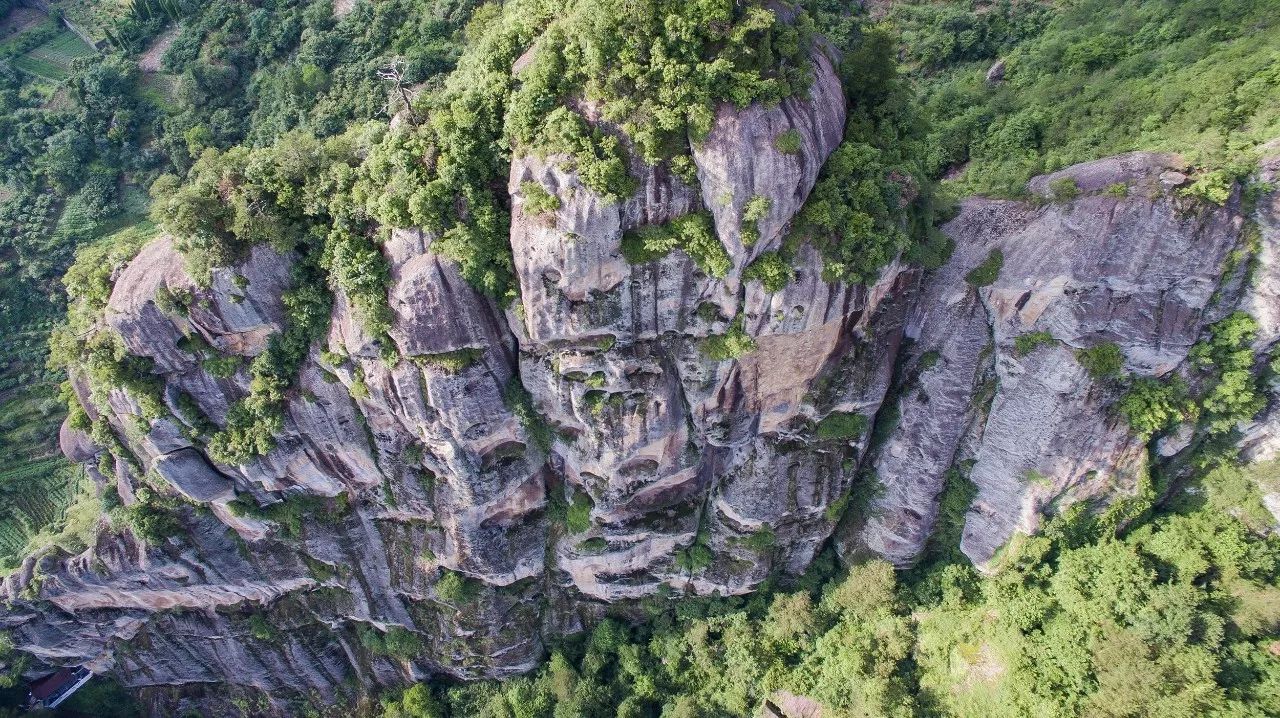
<point x="261" y="628"/>
<point x="756" y="209"/>
<point x="771" y="270"/>
<point x="1117" y="190"/>
<point x="577" y="517"/>
<point x="537" y="200"/>
<point x="397" y="642"/>
<point x="294" y="511"/>
<point x="450" y="362"/>
<point x="1102" y="361"/>
<point x="1212" y="186"/>
<point x="456" y="588"/>
<point x="1024" y="344"/>
<point x="788" y="142"/>
<point x="986" y="273"/>
<point x="1063" y="190"/>
<point x="841" y="425"/>
<point x="697" y="556"/>
<point x="519" y="401"/>
<point x="1233" y="395"/>
<point x="733" y="344"/>
<point x="762" y="540"/>
<point x="153" y="516"/>
<point x="694" y="234"/>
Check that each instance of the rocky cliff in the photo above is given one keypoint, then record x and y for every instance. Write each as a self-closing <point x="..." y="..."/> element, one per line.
<point x="502" y="474"/>
<point x="1128" y="262"/>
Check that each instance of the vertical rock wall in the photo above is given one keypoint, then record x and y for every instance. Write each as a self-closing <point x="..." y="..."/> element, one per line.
<point x="505" y="471"/>
<point x="1138" y="268"/>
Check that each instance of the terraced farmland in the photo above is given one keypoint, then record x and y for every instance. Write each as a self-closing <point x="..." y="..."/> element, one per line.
<point x="53" y="59"/>
<point x="34" y="498"/>
<point x="36" y="483"/>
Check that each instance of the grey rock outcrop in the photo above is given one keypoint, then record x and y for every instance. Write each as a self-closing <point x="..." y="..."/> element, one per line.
<point x="428" y="473"/>
<point x="483" y="476"/>
<point x="188" y="471"/>
<point x="740" y="160"/>
<point x="995" y="73"/>
<point x="1035" y="428"/>
<point x="673" y="451"/>
<point x="1260" y="441"/>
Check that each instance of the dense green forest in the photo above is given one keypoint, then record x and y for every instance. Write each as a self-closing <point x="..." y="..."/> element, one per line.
<point x="232" y="123"/>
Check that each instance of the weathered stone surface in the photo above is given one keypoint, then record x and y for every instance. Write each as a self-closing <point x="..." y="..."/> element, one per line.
<point x="740" y="159"/>
<point x="435" y="310"/>
<point x="1260" y="440"/>
<point x="1137" y="271"/>
<point x="232" y="319"/>
<point x="1142" y="172"/>
<point x="146" y="330"/>
<point x="193" y="476"/>
<point x="995" y="73"/>
<point x="785" y="704"/>
<point x="487" y="476"/>
<point x="1262" y="298"/>
<point x="76" y="445"/>
<point x="570" y="265"/>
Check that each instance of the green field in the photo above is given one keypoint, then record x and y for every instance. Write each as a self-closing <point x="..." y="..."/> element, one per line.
<point x="36" y="483"/>
<point x="160" y="90"/>
<point x="30" y="414"/>
<point x="53" y="59"/>
<point x="93" y="16"/>
<point x="34" y="498"/>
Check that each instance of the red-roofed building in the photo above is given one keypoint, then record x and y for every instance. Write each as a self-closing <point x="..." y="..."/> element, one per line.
<point x="53" y="689"/>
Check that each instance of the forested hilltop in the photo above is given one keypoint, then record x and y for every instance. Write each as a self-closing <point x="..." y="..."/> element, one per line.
<point x="642" y="357"/>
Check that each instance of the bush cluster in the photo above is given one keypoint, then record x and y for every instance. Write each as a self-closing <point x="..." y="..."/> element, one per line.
<point x="733" y="344"/>
<point x="986" y="273"/>
<point x="694" y="234"/>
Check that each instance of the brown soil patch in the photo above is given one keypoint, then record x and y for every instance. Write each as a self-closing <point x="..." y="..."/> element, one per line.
<point x="150" y="60"/>
<point x="19" y="20"/>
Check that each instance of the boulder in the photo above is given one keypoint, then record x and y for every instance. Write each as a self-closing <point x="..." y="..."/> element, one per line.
<point x="193" y="476"/>
<point x="76" y="445"/>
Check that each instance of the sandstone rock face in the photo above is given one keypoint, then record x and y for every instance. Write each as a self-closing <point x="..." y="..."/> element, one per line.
<point x="442" y="498"/>
<point x="740" y="160"/>
<point x="1262" y="299"/>
<point x="1261" y="440"/>
<point x="435" y="474"/>
<point x="236" y="313"/>
<point x="1034" y="428"/>
<point x="75" y="444"/>
<point x="573" y="278"/>
<point x="188" y="471"/>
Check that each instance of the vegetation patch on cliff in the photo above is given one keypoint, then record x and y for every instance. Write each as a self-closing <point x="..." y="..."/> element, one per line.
<point x="694" y="234"/>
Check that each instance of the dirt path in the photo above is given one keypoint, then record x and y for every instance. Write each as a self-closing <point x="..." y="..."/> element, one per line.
<point x="150" y="60"/>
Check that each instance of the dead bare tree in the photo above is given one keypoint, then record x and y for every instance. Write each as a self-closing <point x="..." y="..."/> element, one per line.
<point x="394" y="73"/>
